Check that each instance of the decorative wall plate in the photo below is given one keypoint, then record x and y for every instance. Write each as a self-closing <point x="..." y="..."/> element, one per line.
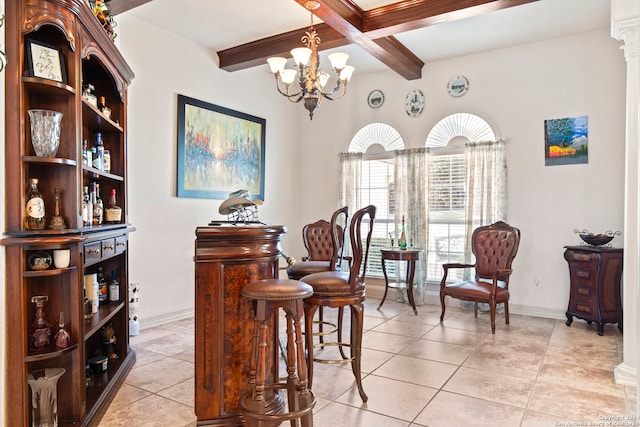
<point x="375" y="98"/>
<point x="458" y="86"/>
<point x="414" y="104"/>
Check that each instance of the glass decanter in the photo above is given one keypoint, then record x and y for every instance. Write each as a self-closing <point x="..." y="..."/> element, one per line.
<point x="40" y="331"/>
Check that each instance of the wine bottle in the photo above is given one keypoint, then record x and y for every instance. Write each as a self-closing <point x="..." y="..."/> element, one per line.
<point x="113" y="212"/>
<point x="98" y="161"/>
<point x="34" y="218"/>
<point x="403" y="238"/>
<point x="98" y="205"/>
<point x="87" y="208"/>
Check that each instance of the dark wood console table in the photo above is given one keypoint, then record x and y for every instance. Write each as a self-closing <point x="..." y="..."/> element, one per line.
<point x="595" y="273"/>
<point x="396" y="254"/>
<point x="226" y="259"/>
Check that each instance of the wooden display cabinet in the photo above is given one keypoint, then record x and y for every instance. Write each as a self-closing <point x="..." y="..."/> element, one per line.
<point x="87" y="56"/>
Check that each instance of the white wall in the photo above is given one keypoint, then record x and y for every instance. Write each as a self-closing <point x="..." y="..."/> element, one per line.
<point x="515" y="89"/>
<point x="162" y="247"/>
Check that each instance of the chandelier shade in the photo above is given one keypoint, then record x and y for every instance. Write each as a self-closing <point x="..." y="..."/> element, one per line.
<point x="311" y="78"/>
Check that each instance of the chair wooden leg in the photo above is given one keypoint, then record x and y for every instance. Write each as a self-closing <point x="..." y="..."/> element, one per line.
<point x="321" y="324"/>
<point x="309" y="312"/>
<point x="443" y="307"/>
<point x="357" y="325"/>
<point x="475" y="309"/>
<point x="340" y="318"/>
<point x="506" y="312"/>
<point x="492" y="307"/>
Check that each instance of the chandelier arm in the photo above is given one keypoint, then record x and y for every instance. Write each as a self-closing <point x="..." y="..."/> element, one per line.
<point x="288" y="95"/>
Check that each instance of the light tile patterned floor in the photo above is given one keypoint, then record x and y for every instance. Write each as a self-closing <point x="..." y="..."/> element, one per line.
<point x="417" y="372"/>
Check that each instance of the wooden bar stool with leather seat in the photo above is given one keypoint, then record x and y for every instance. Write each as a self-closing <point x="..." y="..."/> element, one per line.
<point x="268" y="295"/>
<point x="324" y="253"/>
<point x="339" y="289"/>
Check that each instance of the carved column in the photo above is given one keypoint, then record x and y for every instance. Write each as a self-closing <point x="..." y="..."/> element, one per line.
<point x="625" y="26"/>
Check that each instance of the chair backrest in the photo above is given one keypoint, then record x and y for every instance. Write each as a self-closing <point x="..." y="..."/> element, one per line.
<point x="360" y="248"/>
<point x="494" y="246"/>
<point x="337" y="236"/>
<point x="320" y="239"/>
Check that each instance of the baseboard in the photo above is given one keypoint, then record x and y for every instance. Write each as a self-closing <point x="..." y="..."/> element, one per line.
<point x="166" y="318"/>
<point x="374" y="290"/>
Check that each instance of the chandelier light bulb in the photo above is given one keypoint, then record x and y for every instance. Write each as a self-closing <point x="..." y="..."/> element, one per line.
<point x="338" y="60"/>
<point x="276" y="64"/>
<point x="288" y="76"/>
<point x="301" y="55"/>
<point x="346" y="73"/>
<point x="323" y="78"/>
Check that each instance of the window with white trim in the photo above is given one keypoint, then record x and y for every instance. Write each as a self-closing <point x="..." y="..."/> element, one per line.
<point x="447" y="189"/>
<point x="377" y="141"/>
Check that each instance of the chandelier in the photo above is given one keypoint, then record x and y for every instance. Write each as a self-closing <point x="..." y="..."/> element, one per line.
<point x="311" y="78"/>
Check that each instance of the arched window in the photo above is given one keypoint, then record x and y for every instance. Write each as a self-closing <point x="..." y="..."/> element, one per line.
<point x="376" y="138"/>
<point x="377" y="141"/>
<point x="447" y="188"/>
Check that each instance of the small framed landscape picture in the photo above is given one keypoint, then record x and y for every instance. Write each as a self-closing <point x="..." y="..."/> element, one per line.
<point x="566" y="141"/>
<point x="45" y="61"/>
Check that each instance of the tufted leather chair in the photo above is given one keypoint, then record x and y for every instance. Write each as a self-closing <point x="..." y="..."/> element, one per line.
<point x="319" y="241"/>
<point x="494" y="247"/>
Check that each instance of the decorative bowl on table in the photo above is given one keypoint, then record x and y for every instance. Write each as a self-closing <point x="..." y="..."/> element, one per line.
<point x="596" y="239"/>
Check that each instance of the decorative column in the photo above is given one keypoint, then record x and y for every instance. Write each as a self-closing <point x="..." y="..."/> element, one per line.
<point x="625" y="26"/>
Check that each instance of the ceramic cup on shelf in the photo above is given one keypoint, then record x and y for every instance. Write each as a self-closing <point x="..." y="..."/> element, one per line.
<point x="61" y="258"/>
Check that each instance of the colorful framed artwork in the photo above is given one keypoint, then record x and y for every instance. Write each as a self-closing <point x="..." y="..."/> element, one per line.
<point x="566" y="141"/>
<point x="220" y="151"/>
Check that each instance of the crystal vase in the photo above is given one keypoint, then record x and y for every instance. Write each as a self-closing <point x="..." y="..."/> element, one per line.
<point x="44" y="396"/>
<point x="45" y="131"/>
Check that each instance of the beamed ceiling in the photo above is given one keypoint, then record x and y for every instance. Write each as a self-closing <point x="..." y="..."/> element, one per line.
<point x="341" y="23"/>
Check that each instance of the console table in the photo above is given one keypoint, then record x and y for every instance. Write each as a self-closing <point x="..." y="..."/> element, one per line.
<point x="595" y="274"/>
<point x="396" y="254"/>
<point x="226" y="259"/>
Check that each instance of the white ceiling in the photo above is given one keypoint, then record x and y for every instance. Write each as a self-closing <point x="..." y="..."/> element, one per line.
<point x="221" y="24"/>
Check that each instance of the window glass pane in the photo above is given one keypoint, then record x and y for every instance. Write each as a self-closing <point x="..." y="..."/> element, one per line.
<point x="377" y="190"/>
<point x="447" y="194"/>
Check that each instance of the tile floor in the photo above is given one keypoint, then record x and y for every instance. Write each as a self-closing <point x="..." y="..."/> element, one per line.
<point x="417" y="372"/>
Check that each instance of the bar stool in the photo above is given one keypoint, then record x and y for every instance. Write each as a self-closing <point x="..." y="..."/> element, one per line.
<point x="269" y="295"/>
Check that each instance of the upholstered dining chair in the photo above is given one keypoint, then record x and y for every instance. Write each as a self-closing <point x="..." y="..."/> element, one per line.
<point x="494" y="247"/>
<point x="338" y="289"/>
<point x="324" y="242"/>
<point x="324" y="249"/>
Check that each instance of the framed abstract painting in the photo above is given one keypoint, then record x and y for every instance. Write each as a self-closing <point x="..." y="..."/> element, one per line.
<point x="220" y="151"/>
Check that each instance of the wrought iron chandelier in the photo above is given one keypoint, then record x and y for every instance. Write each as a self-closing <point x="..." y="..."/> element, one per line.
<point x="311" y="78"/>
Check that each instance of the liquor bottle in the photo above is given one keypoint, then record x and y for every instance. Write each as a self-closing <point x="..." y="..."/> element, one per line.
<point x="114" y="289"/>
<point x="98" y="206"/>
<point x="87" y="208"/>
<point x="34" y="218"/>
<point x="87" y="309"/>
<point x="103" y="107"/>
<point x="103" y="287"/>
<point x="113" y="212"/>
<point x="98" y="162"/>
<point x="40" y="331"/>
<point x="85" y="150"/>
<point x="403" y="238"/>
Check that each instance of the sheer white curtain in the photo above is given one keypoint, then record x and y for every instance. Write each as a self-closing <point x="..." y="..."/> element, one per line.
<point x="411" y="180"/>
<point x="350" y="176"/>
<point x="486" y="170"/>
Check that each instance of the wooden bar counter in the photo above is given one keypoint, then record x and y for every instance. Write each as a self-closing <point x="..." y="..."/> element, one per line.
<point x="226" y="259"/>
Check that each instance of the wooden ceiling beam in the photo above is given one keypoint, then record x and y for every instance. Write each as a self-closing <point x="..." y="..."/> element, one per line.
<point x="345" y="23"/>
